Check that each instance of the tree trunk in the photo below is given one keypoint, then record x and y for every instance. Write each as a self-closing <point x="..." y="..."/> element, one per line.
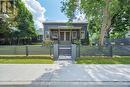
<point x="89" y="31"/>
<point x="106" y="23"/>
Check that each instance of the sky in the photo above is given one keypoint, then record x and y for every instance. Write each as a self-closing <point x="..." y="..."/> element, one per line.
<point x="48" y="10"/>
<point x="53" y="10"/>
<point x="45" y="10"/>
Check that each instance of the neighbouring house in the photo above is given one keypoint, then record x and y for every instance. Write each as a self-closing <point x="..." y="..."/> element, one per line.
<point x="122" y="41"/>
<point x="40" y="34"/>
<point x="127" y="34"/>
<point x="63" y="32"/>
<point x="39" y="37"/>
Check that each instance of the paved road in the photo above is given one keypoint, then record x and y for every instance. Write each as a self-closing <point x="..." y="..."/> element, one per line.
<point x="63" y="74"/>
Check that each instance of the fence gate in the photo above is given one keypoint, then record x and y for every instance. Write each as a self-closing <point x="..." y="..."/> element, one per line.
<point x="64" y="51"/>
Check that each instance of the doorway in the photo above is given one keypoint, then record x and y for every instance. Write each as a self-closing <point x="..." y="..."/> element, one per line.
<point x="65" y="36"/>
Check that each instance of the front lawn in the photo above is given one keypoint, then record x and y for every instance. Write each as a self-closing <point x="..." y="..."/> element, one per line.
<point x="103" y="60"/>
<point x="26" y="60"/>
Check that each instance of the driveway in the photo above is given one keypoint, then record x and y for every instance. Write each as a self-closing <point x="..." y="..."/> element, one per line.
<point x="63" y="75"/>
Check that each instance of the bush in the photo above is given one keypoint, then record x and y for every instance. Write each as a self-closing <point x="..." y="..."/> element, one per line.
<point x="47" y="43"/>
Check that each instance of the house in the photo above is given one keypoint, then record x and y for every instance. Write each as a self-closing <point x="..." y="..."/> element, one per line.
<point x="122" y="41"/>
<point x="39" y="38"/>
<point x="40" y="34"/>
<point x="127" y="34"/>
<point x="64" y="32"/>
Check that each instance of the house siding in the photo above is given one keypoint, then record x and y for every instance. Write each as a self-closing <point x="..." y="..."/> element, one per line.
<point x="48" y="25"/>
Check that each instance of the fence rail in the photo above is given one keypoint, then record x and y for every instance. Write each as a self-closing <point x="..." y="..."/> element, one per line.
<point x="116" y="50"/>
<point x="26" y="50"/>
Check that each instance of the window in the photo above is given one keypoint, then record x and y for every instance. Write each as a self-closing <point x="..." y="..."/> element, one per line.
<point x="82" y="34"/>
<point x="74" y="35"/>
<point x="54" y="34"/>
<point x="47" y="34"/>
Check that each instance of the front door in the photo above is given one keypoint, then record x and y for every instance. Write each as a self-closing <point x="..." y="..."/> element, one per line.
<point x="65" y="36"/>
<point x="62" y="36"/>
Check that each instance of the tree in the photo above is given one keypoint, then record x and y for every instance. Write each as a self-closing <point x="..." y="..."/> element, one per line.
<point x="19" y="25"/>
<point x="5" y="23"/>
<point x="4" y="28"/>
<point x="121" y="21"/>
<point x="102" y="12"/>
<point x="24" y="21"/>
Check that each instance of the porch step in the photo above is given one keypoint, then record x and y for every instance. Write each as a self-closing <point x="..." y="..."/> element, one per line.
<point x="64" y="58"/>
<point x="64" y="47"/>
<point x="64" y="62"/>
<point x="60" y="46"/>
<point x="65" y="42"/>
<point x="65" y="50"/>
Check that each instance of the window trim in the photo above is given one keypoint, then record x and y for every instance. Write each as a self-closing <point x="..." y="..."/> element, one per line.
<point x="82" y="34"/>
<point x="54" y="34"/>
<point x="74" y="37"/>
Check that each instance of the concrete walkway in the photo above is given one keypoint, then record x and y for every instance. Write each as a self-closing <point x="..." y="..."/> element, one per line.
<point x="63" y="75"/>
<point x="64" y="62"/>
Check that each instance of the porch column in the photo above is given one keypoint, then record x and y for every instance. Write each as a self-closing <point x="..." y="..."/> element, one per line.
<point x="64" y="36"/>
<point x="58" y="35"/>
<point x="71" y="35"/>
<point x="79" y="34"/>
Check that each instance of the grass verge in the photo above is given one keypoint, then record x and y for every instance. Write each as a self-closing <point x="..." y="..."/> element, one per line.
<point x="26" y="60"/>
<point x="103" y="60"/>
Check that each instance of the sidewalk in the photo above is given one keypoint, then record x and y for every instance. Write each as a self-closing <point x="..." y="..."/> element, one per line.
<point x="63" y="75"/>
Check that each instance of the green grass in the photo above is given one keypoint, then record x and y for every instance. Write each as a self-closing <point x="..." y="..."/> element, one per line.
<point x="26" y="60"/>
<point x="103" y="60"/>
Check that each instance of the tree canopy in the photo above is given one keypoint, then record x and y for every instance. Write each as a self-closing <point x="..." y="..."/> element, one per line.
<point x="19" y="25"/>
<point x="103" y="16"/>
<point x="24" y="20"/>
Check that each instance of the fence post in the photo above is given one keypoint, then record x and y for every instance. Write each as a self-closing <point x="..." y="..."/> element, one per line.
<point x="56" y="52"/>
<point x="111" y="51"/>
<point x="50" y="49"/>
<point x="26" y="50"/>
<point x="14" y="50"/>
<point x="74" y="51"/>
<point x="79" y="50"/>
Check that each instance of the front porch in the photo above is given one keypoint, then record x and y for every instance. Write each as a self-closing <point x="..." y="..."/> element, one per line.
<point x="65" y="35"/>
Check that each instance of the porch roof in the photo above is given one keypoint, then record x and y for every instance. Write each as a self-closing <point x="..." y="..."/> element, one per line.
<point x="65" y="27"/>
